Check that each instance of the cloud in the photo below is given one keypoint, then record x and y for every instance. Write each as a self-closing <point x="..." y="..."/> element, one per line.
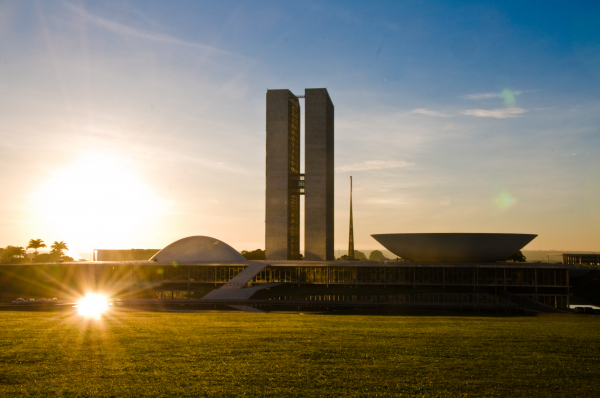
<point x="508" y="95"/>
<point x="429" y="112"/>
<point x="481" y="96"/>
<point x="373" y="165"/>
<point x="126" y="30"/>
<point x="501" y="113"/>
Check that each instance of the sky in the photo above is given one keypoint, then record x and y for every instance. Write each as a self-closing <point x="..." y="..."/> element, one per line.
<point x="131" y="124"/>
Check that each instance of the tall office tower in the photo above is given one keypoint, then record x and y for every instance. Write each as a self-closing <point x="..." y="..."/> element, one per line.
<point x="282" y="235"/>
<point x="351" y="236"/>
<point x="318" y="219"/>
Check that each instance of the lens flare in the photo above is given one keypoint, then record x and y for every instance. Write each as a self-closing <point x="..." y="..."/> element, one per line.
<point x="504" y="200"/>
<point x="509" y="97"/>
<point x="92" y="305"/>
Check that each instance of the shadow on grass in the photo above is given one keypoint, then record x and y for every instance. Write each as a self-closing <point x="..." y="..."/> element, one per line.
<point x="392" y="312"/>
<point x="430" y="312"/>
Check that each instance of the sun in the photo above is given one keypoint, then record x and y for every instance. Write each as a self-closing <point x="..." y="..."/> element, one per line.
<point x="97" y="200"/>
<point x="93" y="305"/>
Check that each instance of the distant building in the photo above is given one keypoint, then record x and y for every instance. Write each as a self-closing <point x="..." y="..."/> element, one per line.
<point x="124" y="255"/>
<point x="581" y="258"/>
<point x="285" y="183"/>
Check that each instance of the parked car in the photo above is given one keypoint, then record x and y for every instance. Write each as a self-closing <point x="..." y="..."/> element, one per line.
<point x="588" y="310"/>
<point x="21" y="301"/>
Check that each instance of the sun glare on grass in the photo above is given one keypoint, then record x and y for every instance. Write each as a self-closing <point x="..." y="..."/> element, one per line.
<point x="93" y="305"/>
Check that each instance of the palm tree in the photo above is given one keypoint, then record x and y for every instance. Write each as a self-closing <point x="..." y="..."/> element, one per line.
<point x="58" y="247"/>
<point x="35" y="244"/>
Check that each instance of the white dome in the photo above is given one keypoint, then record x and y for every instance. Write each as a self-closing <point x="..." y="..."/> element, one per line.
<point x="198" y="249"/>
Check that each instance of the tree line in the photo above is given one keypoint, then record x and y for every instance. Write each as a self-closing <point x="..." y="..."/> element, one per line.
<point x="376" y="255"/>
<point x="16" y="254"/>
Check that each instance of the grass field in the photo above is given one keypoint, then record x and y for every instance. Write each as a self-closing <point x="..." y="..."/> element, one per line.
<point x="138" y="353"/>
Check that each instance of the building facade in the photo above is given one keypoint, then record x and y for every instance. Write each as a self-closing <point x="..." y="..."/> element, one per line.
<point x="282" y="215"/>
<point x="319" y="174"/>
<point x="461" y="284"/>
<point x="285" y="183"/>
<point x="123" y="255"/>
<point x="581" y="258"/>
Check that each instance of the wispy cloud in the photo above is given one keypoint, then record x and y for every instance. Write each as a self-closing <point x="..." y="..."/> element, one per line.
<point x="508" y="95"/>
<point x="126" y="30"/>
<point x="429" y="112"/>
<point x="481" y="96"/>
<point x="501" y="113"/>
<point x="373" y="165"/>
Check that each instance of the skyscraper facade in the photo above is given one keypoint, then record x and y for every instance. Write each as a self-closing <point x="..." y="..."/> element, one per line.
<point x="282" y="216"/>
<point x="319" y="171"/>
<point x="285" y="183"/>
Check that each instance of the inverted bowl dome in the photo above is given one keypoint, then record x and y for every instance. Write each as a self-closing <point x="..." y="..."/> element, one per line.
<point x="454" y="247"/>
<point x="198" y="249"/>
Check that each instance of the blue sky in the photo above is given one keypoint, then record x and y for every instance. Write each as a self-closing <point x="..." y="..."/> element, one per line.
<point x="133" y="124"/>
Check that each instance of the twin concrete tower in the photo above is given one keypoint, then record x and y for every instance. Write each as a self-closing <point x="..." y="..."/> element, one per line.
<point x="285" y="183"/>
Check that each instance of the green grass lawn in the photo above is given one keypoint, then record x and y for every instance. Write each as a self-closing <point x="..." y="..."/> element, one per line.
<point x="139" y="353"/>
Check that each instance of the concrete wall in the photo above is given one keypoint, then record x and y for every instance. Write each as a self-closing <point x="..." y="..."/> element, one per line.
<point x="319" y="173"/>
<point x="277" y="228"/>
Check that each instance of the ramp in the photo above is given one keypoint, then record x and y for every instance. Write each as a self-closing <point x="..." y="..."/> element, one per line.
<point x="234" y="289"/>
<point x="522" y="302"/>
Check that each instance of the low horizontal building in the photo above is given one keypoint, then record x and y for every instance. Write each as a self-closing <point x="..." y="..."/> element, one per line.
<point x="123" y="255"/>
<point x="488" y="283"/>
<point x="581" y="258"/>
<point x="205" y="268"/>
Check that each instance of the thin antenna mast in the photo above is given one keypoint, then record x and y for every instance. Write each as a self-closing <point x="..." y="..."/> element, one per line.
<point x="351" y="237"/>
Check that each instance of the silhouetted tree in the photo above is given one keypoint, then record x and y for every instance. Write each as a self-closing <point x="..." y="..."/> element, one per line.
<point x="57" y="249"/>
<point x="47" y="257"/>
<point x="518" y="257"/>
<point x="35" y="244"/>
<point x="11" y="253"/>
<point x="376" y="255"/>
<point x="254" y="255"/>
<point x="359" y="256"/>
